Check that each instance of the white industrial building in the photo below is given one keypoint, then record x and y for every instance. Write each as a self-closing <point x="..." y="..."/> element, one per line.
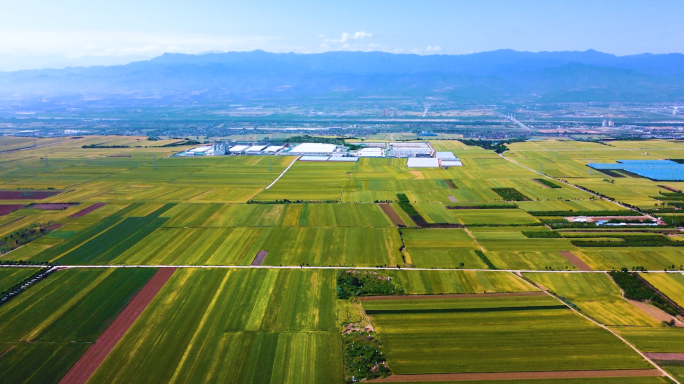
<point x="313" y="149"/>
<point x="370" y="152"/>
<point x="410" y="150"/>
<point x="200" y="151"/>
<point x="329" y="158"/>
<point x="255" y="149"/>
<point x="314" y="158"/>
<point x="238" y="149"/>
<point x="273" y="149"/>
<point x="451" y="163"/>
<point x="445" y="155"/>
<point x="422" y="162"/>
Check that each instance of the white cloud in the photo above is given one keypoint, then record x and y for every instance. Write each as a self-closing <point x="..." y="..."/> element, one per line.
<point x="120" y="43"/>
<point x="346" y="37"/>
<point x="436" y="48"/>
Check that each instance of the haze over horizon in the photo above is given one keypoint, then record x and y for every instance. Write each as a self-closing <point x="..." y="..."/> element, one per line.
<point x="43" y="34"/>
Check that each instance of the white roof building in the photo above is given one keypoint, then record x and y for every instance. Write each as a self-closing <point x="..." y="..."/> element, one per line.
<point x="446" y="155"/>
<point x="314" y="158"/>
<point x="238" y="148"/>
<point x="370" y="152"/>
<point x="256" y="148"/>
<point x="273" y="149"/>
<point x="422" y="162"/>
<point x="451" y="163"/>
<point x="201" y="149"/>
<point x="313" y="149"/>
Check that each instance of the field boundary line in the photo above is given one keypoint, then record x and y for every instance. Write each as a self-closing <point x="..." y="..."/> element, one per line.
<point x="642" y="354"/>
<point x="96" y="354"/>
<point x="573" y="186"/>
<point x="281" y="175"/>
<point x="451" y="296"/>
<point x="66" y="307"/>
<point x="472" y="237"/>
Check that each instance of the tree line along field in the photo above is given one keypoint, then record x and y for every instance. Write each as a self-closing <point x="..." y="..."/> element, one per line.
<point x="136" y="207"/>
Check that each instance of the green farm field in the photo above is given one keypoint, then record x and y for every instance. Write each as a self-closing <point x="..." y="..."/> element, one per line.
<point x="597" y="296"/>
<point x="47" y="329"/>
<point x="285" y="330"/>
<point x="475" y="335"/>
<point x="258" y="294"/>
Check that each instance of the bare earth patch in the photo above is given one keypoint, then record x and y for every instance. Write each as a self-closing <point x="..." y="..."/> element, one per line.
<point x="6" y="209"/>
<point x="519" y="375"/>
<point x="451" y="296"/>
<point x="95" y="355"/>
<point x="392" y="214"/>
<point x="654" y="312"/>
<point x="452" y="199"/>
<point x="83" y="212"/>
<point x="51" y="206"/>
<point x="665" y="356"/>
<point x="576" y="261"/>
<point x="259" y="259"/>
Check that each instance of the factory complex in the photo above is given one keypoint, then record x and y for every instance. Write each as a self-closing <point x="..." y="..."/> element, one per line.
<point x="419" y="154"/>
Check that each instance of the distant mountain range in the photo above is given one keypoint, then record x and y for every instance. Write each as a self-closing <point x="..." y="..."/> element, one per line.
<point x="487" y="76"/>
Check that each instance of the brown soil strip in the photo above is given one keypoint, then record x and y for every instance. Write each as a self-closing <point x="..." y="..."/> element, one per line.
<point x="259" y="259"/>
<point x="392" y="214"/>
<point x="6" y="209"/>
<point x="27" y="195"/>
<point x="576" y="261"/>
<point x="53" y="227"/>
<point x="452" y="296"/>
<point x="654" y="312"/>
<point x="7" y="351"/>
<point x="665" y="356"/>
<point x="671" y="189"/>
<point x="519" y="375"/>
<point x="95" y="355"/>
<point x="85" y="211"/>
<point x="52" y="206"/>
<point x="452" y="199"/>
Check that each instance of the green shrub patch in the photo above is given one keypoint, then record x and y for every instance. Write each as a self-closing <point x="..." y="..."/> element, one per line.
<point x="511" y="194"/>
<point x="354" y="283"/>
<point x="548" y="183"/>
<point x="542" y="234"/>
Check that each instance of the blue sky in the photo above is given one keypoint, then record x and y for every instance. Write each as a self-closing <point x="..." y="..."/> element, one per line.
<point x="148" y="28"/>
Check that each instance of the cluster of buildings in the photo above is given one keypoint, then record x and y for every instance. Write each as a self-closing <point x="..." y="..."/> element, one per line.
<point x="419" y="154"/>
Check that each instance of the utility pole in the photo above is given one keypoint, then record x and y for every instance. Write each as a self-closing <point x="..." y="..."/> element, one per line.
<point x="269" y="164"/>
<point x="541" y="168"/>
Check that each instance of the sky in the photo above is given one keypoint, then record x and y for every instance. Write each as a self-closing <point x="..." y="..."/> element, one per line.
<point x="147" y="28"/>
